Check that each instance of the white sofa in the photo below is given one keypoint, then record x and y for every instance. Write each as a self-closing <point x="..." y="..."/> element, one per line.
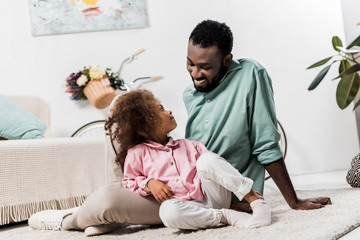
<point x="49" y="173"/>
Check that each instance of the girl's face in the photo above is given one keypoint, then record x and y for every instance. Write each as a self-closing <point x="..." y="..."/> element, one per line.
<point x="168" y="122"/>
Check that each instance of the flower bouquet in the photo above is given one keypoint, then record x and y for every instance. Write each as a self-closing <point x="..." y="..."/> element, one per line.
<point x="94" y="84"/>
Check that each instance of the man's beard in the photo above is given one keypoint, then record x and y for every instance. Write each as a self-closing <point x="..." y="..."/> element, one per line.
<point x="214" y="83"/>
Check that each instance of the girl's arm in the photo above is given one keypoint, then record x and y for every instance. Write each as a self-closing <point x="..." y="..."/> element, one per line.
<point x="134" y="178"/>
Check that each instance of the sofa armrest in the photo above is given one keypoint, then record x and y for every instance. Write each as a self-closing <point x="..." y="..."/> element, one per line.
<point x="48" y="173"/>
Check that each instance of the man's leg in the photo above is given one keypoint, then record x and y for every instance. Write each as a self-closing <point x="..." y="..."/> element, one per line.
<point x="114" y="204"/>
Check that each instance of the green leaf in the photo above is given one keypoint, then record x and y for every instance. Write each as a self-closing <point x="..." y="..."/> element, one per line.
<point x="319" y="78"/>
<point x="356" y="42"/>
<point x="336" y="42"/>
<point x="349" y="71"/>
<point x="347" y="89"/>
<point x="357" y="104"/>
<point x="319" y="63"/>
<point x="344" y="65"/>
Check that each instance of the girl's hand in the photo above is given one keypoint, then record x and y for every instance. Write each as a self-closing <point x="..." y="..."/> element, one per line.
<point x="159" y="190"/>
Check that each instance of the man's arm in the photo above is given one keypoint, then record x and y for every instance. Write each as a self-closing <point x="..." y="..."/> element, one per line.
<point x="280" y="175"/>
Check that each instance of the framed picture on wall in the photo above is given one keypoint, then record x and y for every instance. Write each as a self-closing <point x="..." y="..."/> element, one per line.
<point x="69" y="16"/>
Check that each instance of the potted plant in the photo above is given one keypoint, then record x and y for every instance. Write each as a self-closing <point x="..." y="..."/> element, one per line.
<point x="347" y="87"/>
<point x="349" y="67"/>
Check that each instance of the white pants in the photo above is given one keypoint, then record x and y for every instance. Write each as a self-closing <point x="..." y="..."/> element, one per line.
<point x="218" y="178"/>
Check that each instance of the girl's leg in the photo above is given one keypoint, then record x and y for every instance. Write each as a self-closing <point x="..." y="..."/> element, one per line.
<point x="191" y="215"/>
<point x="114" y="204"/>
<point x="215" y="172"/>
<point x="108" y="205"/>
<point x="213" y="168"/>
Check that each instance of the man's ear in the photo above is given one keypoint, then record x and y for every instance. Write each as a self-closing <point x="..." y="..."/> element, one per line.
<point x="227" y="59"/>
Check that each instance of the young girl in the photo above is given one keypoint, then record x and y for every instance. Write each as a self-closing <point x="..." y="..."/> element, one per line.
<point x="192" y="184"/>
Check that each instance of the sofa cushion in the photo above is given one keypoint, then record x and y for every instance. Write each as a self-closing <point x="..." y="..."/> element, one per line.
<point x="17" y="123"/>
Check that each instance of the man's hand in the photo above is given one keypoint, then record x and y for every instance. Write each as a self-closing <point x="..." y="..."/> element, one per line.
<point x="159" y="190"/>
<point x="280" y="175"/>
<point x="311" y="203"/>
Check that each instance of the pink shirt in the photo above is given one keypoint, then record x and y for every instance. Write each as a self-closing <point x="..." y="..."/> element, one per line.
<point x="173" y="164"/>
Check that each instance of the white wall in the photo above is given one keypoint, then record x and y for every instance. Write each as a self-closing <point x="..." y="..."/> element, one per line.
<point x="285" y="36"/>
<point x="352" y="31"/>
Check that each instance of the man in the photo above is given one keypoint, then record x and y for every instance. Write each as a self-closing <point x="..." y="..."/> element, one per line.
<point x="231" y="110"/>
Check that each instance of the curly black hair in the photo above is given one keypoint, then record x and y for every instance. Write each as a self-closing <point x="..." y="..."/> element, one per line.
<point x="134" y="116"/>
<point x="212" y="33"/>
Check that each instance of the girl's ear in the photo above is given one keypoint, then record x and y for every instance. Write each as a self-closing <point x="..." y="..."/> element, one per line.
<point x="227" y="59"/>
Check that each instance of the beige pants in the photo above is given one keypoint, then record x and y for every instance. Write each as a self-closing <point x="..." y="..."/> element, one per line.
<point x="111" y="204"/>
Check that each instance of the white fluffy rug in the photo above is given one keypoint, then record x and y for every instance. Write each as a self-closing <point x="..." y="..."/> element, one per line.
<point x="330" y="222"/>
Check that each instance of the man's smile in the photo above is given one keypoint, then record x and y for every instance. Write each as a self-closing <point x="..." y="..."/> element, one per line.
<point x="200" y="82"/>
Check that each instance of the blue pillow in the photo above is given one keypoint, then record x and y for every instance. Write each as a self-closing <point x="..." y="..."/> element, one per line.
<point x="16" y="123"/>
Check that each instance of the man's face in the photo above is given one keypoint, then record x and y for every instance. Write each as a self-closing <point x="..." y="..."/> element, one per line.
<point x="205" y="65"/>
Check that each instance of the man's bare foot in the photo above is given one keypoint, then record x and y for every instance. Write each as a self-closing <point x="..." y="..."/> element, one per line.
<point x="241" y="206"/>
<point x="245" y="206"/>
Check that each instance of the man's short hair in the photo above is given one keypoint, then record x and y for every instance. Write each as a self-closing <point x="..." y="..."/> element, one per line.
<point x="210" y="33"/>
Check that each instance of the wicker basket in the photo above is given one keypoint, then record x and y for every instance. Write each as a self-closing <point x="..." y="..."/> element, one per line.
<point x="100" y="93"/>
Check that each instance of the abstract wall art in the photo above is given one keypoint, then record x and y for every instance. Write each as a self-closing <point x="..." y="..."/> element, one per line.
<point x="68" y="16"/>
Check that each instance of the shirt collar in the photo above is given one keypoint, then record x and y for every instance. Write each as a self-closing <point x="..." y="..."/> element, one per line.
<point x="171" y="143"/>
<point x="234" y="65"/>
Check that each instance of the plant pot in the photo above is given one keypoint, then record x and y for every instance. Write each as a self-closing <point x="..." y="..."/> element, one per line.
<point x="100" y="93"/>
<point x="353" y="175"/>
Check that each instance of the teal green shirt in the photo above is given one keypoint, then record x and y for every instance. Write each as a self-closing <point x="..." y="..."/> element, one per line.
<point x="237" y="119"/>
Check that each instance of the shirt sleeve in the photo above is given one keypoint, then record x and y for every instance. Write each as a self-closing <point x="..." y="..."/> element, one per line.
<point x="200" y="148"/>
<point x="263" y="122"/>
<point x="134" y="178"/>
